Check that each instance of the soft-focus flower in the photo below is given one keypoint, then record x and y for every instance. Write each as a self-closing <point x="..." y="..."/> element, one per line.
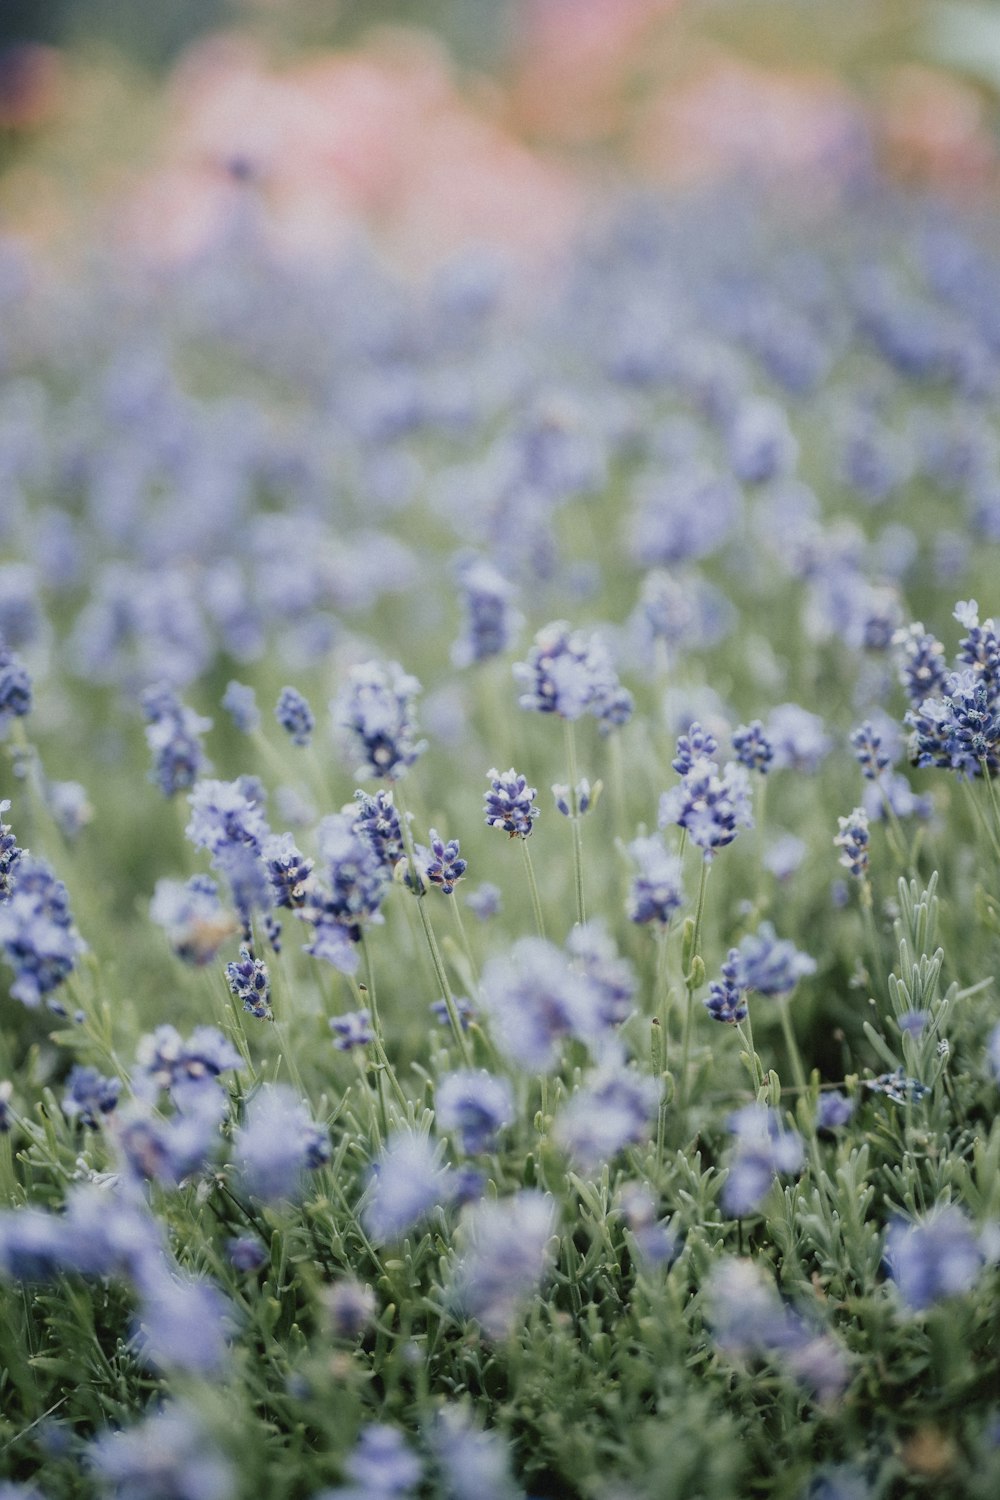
<point x="474" y="1106"/>
<point x="764" y="1147"/>
<point x="769" y="964"/>
<point x="296" y="718"/>
<point x="407" y="1183"/>
<point x="375" y="713"/>
<point x="503" y="1255"/>
<point x="938" y="1256"/>
<point x="657" y="888"/>
<point x="169" y="1456"/>
<point x="277" y="1144"/>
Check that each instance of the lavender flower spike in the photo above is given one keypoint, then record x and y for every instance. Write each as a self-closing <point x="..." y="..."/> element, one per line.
<point x="374" y="711"/>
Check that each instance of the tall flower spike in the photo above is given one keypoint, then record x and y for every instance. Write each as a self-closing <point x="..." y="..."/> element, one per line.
<point x="569" y="673"/>
<point x="509" y="803"/>
<point x="852" y="841"/>
<point x="375" y="712"/>
<point x="657" y="889"/>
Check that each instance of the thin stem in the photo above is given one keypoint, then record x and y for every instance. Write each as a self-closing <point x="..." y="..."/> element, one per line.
<point x="439" y="969"/>
<point x="569" y="731"/>
<point x="981" y="817"/>
<point x="756" y="1067"/>
<point x="993" y="796"/>
<point x="464" y="937"/>
<point x="794" y="1055"/>
<point x="379" y="1043"/>
<point x="536" y="903"/>
<point x="689" y="980"/>
<point x="868" y="907"/>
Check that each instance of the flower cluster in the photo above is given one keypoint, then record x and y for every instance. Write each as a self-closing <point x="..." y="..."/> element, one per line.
<point x="509" y="803"/>
<point x="711" y="806"/>
<point x="570" y="674"/>
<point x="374" y="710"/>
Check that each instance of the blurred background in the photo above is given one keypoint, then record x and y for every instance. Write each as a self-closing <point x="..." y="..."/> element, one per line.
<point x="434" y="123"/>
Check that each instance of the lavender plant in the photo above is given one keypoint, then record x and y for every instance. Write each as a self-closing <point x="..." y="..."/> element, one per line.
<point x="309" y="1185"/>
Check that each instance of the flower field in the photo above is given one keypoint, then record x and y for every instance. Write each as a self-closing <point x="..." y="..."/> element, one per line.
<point x="500" y="864"/>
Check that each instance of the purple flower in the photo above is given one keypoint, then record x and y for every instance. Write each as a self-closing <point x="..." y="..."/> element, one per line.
<point x="194" y="919"/>
<point x="697" y="744"/>
<point x="407" y="1184"/>
<point x="727" y="996"/>
<point x="852" y="841"/>
<point x="474" y="1465"/>
<point x="761" y="444"/>
<point x="39" y="940"/>
<point x="375" y="712"/>
<point x="764" y="1147"/>
<point x="752" y="748"/>
<point x="249" y="981"/>
<point x="227" y="815"/>
<point x="240" y="703"/>
<point x="503" y="1256"/>
<point x="247" y="1253"/>
<point x="612" y="982"/>
<point x="293" y="713"/>
<point x="441" y="865"/>
<point x="463" y="1005"/>
<point x="509" y="804"/>
<point x="164" y="1060"/>
<point x="485" y="901"/>
<point x="169" y="1456"/>
<point x="287" y="869"/>
<point x="377" y="820"/>
<point x="750" y="1321"/>
<point x="173" y="734"/>
<point x="657" y="888"/>
<point x="961" y="730"/>
<point x="276" y="1144"/>
<point x="15" y="690"/>
<point x="569" y="673"/>
<point x="711" y="807"/>
<point x="474" y="1106"/>
<point x="350" y="1306"/>
<point x="352" y="1030"/>
<point x="867" y="744"/>
<point x="921" y="663"/>
<point x="769" y="964"/>
<point x="833" y="1109"/>
<point x="169" y="1150"/>
<point x="491" y="623"/>
<point x="798" y="739"/>
<point x="69" y="805"/>
<point x="783" y="855"/>
<point x="89" y="1096"/>
<point x="938" y="1256"/>
<point x="381" y="1464"/>
<point x="352" y="889"/>
<point x="536" y="999"/>
<point x="612" y="1110"/>
<point x="182" y="1323"/>
<point x="10" y="853"/>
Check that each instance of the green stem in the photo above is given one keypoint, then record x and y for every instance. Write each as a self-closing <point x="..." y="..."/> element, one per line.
<point x="756" y="1067"/>
<point x="379" y="1043"/>
<point x="569" y="730"/>
<point x="794" y="1055"/>
<point x="536" y="903"/>
<point x="689" y="980"/>
<point x="464" y="937"/>
<point x="981" y="817"/>
<point x="993" y="798"/>
<point x="440" y="972"/>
